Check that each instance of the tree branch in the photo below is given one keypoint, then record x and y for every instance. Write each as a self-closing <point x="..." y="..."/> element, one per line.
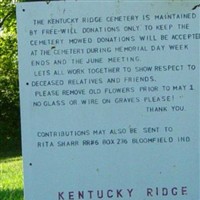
<point x="4" y="19"/>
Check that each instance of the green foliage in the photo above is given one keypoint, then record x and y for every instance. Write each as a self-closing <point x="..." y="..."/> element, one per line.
<point x="9" y="93"/>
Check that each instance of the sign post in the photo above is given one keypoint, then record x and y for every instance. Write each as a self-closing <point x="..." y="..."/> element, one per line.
<point x="109" y="99"/>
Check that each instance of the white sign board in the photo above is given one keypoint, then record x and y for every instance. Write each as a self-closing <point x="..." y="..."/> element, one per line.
<point x="110" y="99"/>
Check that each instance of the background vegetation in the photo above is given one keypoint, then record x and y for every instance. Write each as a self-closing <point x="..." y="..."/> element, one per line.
<point x="9" y="92"/>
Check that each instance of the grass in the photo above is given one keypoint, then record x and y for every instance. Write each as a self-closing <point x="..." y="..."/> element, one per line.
<point x="11" y="181"/>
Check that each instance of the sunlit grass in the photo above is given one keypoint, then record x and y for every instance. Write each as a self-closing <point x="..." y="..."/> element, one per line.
<point x="11" y="181"/>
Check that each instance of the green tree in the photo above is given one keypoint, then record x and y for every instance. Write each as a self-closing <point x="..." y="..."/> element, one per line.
<point x="9" y="93"/>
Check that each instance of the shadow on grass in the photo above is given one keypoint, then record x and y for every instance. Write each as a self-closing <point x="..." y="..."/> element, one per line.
<point x="16" y="194"/>
<point x="10" y="148"/>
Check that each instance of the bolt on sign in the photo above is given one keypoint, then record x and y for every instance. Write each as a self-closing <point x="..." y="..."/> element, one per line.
<point x="110" y="99"/>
